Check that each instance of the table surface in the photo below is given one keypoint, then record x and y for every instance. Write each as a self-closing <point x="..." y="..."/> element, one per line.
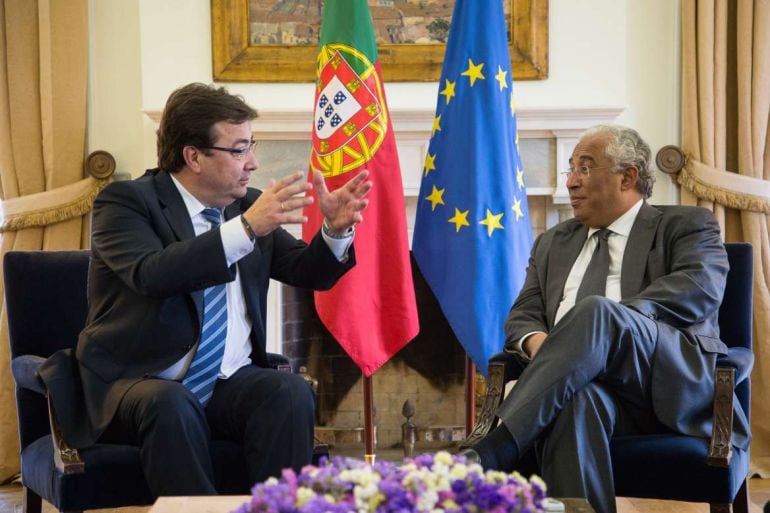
<point x="227" y="503"/>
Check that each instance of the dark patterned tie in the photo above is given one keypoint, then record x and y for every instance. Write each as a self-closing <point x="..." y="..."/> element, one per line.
<point x="595" y="279"/>
<point x="204" y="369"/>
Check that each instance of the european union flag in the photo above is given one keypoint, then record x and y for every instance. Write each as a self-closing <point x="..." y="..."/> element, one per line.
<point x="472" y="234"/>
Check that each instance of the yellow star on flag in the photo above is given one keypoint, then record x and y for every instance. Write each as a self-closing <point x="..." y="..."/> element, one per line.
<point x="513" y="106"/>
<point x="473" y="72"/>
<point x="492" y="222"/>
<point x="449" y="90"/>
<point x="430" y="163"/>
<point x="460" y="219"/>
<point x="519" y="178"/>
<point x="436" y="198"/>
<point x="517" y="208"/>
<point x="501" y="78"/>
<point x="436" y="125"/>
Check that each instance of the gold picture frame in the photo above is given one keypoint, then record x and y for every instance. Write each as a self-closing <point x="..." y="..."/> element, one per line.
<point x="236" y="60"/>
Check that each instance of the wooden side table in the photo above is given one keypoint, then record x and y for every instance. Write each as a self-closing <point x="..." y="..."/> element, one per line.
<point x="574" y="505"/>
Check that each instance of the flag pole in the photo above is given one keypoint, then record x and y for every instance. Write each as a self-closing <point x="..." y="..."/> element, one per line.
<point x="369" y="454"/>
<point x="470" y="395"/>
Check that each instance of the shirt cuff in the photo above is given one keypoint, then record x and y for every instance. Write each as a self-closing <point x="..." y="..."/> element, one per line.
<point x="338" y="247"/>
<point x="518" y="346"/>
<point x="235" y="241"/>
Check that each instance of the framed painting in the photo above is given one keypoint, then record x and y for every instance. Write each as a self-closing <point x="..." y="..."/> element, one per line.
<point x="254" y="41"/>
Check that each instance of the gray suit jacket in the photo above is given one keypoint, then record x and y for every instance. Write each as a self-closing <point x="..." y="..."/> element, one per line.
<point x="674" y="270"/>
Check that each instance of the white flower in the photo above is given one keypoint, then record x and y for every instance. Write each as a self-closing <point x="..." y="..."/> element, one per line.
<point x="458" y="472"/>
<point x="443" y="457"/>
<point x="427" y="501"/>
<point x="536" y="480"/>
<point x="363" y="476"/>
<point x="304" y="494"/>
<point x="496" y="476"/>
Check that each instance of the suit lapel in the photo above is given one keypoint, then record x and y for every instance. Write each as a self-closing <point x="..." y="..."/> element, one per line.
<point x="176" y="213"/>
<point x="173" y="207"/>
<point x="566" y="247"/>
<point x="638" y="249"/>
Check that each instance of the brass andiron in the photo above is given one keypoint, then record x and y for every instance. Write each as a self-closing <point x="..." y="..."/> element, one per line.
<point x="408" y="429"/>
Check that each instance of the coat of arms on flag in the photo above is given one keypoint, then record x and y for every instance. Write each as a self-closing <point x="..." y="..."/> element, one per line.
<point x="350" y="114"/>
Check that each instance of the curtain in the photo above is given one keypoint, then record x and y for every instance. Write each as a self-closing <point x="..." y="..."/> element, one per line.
<point x="43" y="79"/>
<point x="726" y="125"/>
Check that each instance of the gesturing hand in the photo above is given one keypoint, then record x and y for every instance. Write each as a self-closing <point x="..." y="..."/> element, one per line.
<point x="279" y="204"/>
<point x="342" y="207"/>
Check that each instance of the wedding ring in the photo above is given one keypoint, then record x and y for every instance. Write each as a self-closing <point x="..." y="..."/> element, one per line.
<point x="283" y="208"/>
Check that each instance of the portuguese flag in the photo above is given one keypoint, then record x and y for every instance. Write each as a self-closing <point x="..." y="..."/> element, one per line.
<point x="371" y="311"/>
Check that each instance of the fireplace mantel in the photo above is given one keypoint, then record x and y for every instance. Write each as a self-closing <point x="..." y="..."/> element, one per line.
<point x="412" y="128"/>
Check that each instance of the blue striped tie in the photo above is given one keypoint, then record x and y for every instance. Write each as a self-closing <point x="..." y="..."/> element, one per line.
<point x="204" y="369"/>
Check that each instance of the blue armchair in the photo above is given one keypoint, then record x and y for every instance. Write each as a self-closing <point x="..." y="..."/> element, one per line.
<point x="46" y="303"/>
<point x="674" y="466"/>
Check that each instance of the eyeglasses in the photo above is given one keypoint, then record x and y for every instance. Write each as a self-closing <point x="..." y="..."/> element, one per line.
<point x="238" y="153"/>
<point x="582" y="171"/>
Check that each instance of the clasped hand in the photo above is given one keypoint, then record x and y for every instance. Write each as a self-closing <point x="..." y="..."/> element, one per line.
<point x="282" y="202"/>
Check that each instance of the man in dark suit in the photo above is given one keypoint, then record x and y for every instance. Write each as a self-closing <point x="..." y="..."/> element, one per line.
<point x="617" y="320"/>
<point x="173" y="352"/>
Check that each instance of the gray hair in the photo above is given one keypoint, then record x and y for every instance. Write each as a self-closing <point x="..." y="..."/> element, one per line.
<point x="627" y="148"/>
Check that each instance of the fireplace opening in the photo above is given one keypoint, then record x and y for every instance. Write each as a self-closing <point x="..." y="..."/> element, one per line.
<point x="429" y="371"/>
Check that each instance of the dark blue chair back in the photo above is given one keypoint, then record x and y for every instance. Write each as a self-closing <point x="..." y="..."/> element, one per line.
<point x="46" y="302"/>
<point x="735" y="314"/>
<point x="674" y="466"/>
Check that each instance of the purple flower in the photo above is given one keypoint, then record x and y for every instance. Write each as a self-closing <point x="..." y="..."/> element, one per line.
<point x="441" y="481"/>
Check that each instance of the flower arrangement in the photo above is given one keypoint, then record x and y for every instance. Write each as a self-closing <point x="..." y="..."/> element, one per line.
<point x="428" y="483"/>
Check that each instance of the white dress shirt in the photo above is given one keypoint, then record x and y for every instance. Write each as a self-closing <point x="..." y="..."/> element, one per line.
<point x="236" y="245"/>
<point x="620" y="229"/>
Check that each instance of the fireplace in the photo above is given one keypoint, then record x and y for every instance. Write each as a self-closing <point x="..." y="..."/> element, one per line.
<point x="429" y="372"/>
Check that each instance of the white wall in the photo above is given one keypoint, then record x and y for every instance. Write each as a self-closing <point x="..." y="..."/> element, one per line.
<point x="601" y="52"/>
<point x="115" y="120"/>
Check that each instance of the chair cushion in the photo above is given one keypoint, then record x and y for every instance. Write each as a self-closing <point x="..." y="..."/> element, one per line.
<point x="674" y="467"/>
<point x="113" y="475"/>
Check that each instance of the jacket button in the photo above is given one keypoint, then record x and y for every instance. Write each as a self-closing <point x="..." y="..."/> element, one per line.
<point x="187" y="347"/>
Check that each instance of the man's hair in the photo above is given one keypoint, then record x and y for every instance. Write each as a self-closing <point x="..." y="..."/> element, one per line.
<point x="189" y="118"/>
<point x="627" y="148"/>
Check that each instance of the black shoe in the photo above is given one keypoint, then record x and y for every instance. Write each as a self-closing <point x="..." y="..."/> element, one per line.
<point x="471" y="456"/>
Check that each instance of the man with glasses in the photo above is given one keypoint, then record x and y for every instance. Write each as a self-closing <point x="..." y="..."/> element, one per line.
<point x="173" y="352"/>
<point x="617" y="322"/>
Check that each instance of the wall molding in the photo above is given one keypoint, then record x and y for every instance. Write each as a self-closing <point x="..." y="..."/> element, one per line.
<point x="533" y="122"/>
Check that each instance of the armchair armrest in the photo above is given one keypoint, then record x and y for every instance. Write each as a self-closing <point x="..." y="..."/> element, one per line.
<point x="278" y="362"/>
<point x="503" y="367"/>
<point x="739" y="358"/>
<point x="65" y="457"/>
<point x="720" y="447"/>
<point x="514" y="364"/>
<point x="732" y="369"/>
<point x="24" y="370"/>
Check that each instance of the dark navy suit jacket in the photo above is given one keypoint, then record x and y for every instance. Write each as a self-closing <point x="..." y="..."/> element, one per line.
<point x="145" y="291"/>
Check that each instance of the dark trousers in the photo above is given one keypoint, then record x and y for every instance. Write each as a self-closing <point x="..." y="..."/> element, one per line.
<point x="270" y="413"/>
<point x="590" y="380"/>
